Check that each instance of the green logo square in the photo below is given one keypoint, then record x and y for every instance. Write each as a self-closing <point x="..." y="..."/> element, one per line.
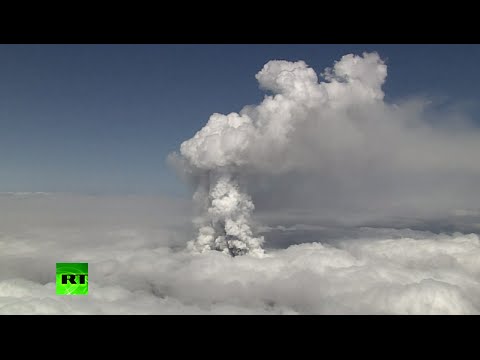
<point x="72" y="278"/>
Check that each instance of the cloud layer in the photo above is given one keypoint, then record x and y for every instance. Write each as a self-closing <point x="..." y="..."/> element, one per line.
<point x="142" y="267"/>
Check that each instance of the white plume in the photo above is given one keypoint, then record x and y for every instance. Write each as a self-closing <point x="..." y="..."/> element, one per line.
<point x="257" y="139"/>
<point x="225" y="224"/>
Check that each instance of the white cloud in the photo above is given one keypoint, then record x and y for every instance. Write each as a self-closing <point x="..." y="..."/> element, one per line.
<point x="137" y="268"/>
<point x="335" y="146"/>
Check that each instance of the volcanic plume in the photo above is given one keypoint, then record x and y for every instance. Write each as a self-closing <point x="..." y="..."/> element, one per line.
<point x="258" y="138"/>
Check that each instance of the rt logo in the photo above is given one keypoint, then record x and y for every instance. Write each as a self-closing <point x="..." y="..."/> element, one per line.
<point x="72" y="278"/>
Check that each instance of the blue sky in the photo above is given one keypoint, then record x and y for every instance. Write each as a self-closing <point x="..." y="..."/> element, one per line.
<point x="102" y="118"/>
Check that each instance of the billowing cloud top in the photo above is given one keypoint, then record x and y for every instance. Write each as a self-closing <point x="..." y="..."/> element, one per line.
<point x="252" y="137"/>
